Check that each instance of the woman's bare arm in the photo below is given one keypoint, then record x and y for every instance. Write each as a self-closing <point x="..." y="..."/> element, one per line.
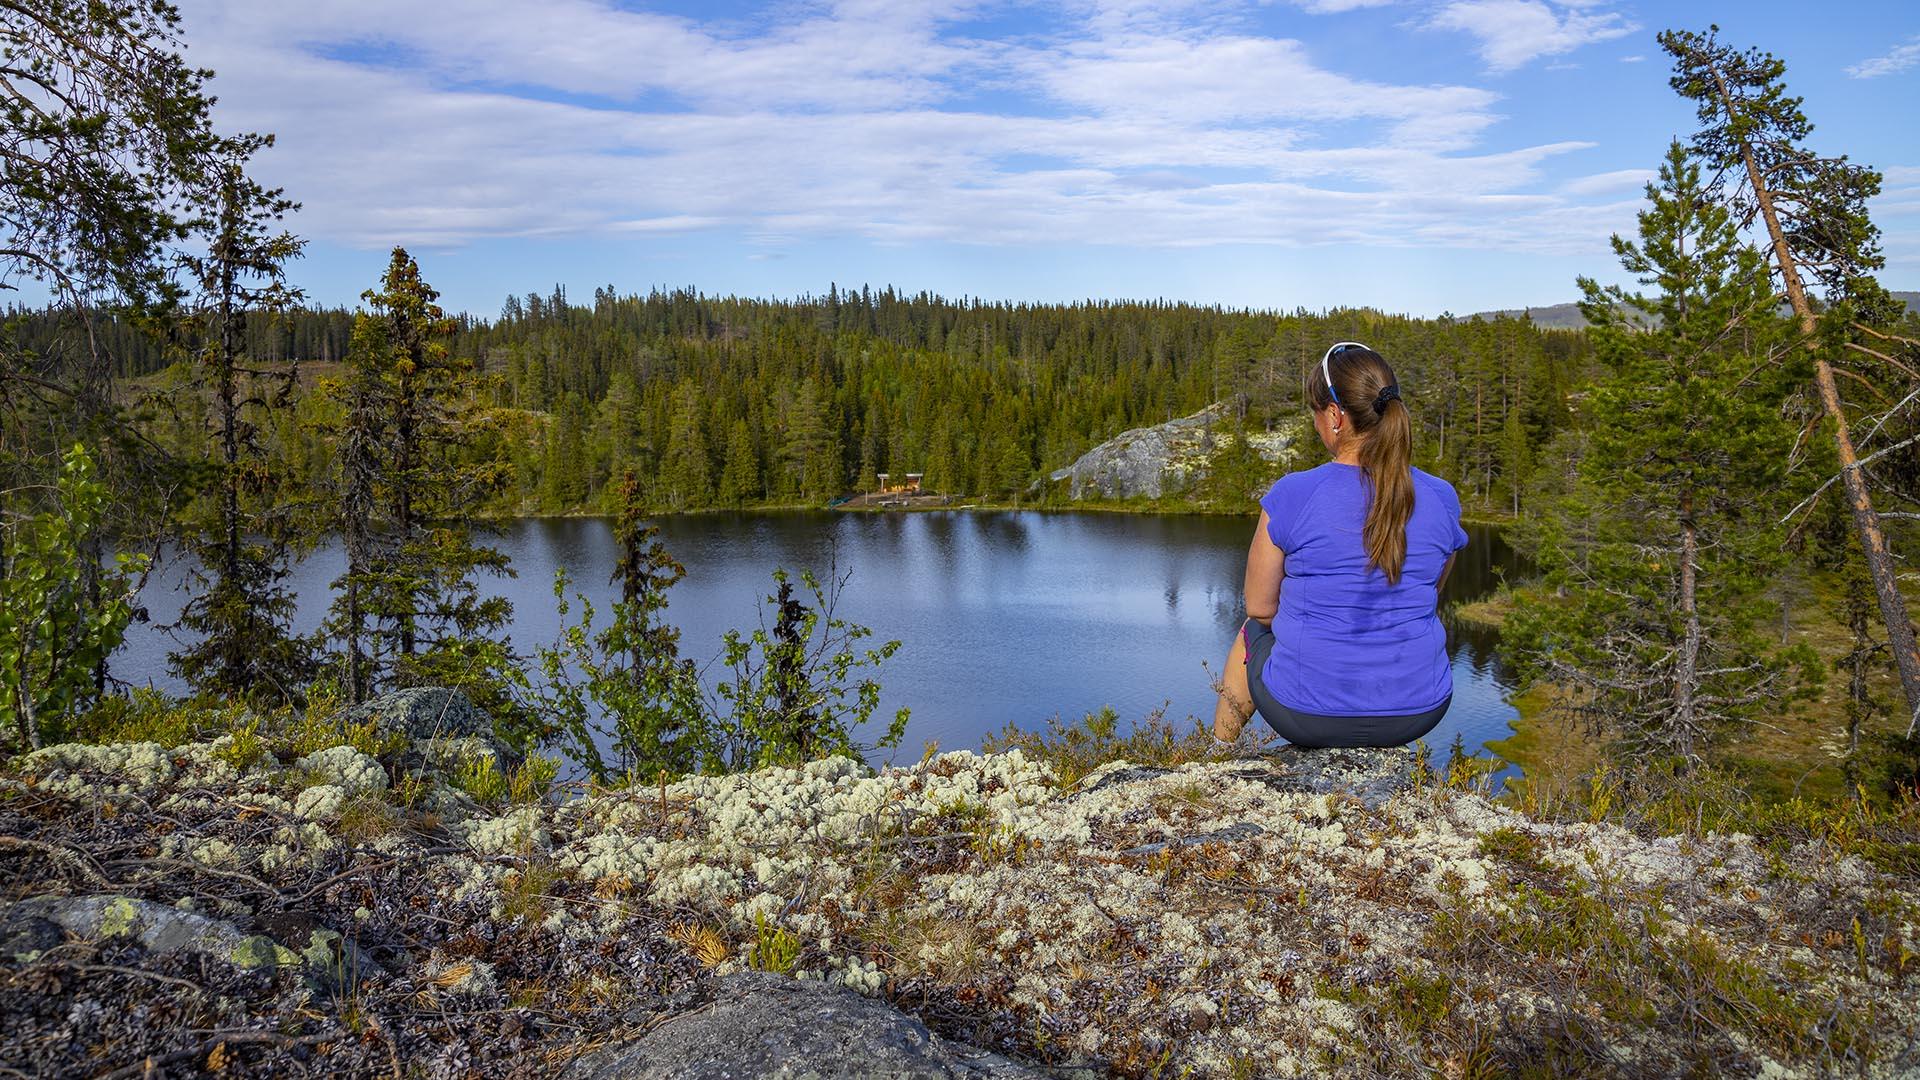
<point x="1440" y="586"/>
<point x="1265" y="568"/>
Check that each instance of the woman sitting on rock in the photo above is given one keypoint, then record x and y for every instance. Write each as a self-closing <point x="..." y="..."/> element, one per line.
<point x="1342" y="644"/>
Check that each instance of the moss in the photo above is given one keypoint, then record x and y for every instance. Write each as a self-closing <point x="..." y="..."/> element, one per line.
<point x="262" y="951"/>
<point x="118" y="918"/>
<point x="1515" y="847"/>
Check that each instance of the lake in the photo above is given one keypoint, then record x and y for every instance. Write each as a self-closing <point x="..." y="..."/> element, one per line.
<point x="1006" y="617"/>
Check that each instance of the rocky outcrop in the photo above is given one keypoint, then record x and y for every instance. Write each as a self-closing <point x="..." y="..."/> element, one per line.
<point x="1291" y="913"/>
<point x="31" y="928"/>
<point x="1152" y="462"/>
<point x="776" y="1028"/>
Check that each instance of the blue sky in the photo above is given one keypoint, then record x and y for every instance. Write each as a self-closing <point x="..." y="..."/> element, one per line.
<point x="1413" y="155"/>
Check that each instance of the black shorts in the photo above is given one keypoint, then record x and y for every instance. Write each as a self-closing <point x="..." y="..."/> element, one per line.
<point x="1313" y="729"/>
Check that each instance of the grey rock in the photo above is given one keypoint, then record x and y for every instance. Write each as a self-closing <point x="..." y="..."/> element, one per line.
<point x="160" y="928"/>
<point x="769" y="1026"/>
<point x="1371" y="775"/>
<point x="24" y="937"/>
<point x="1242" y="831"/>
<point x="1149" y="462"/>
<point x="1115" y="777"/>
<point x="157" y="927"/>
<point x="426" y="712"/>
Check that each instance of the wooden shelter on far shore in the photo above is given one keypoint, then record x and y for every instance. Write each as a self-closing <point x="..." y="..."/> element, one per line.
<point x="909" y="485"/>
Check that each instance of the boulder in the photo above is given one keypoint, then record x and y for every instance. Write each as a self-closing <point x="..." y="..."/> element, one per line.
<point x="441" y="724"/>
<point x="1370" y="775"/>
<point x="426" y="712"/>
<point x="768" y="1026"/>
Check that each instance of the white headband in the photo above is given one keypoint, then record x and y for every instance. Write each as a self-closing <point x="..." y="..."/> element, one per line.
<point x="1328" y="375"/>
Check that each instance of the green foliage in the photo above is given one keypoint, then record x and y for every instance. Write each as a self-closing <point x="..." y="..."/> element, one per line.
<point x="775" y="948"/>
<point x="1662" y="546"/>
<point x="479" y="776"/>
<point x="1076" y="749"/>
<point x="53" y="635"/>
<point x="247" y="747"/>
<point x="795" y="693"/>
<point x="145" y="715"/>
<point x="322" y="725"/>
<point x="533" y="780"/>
<point x="625" y="685"/>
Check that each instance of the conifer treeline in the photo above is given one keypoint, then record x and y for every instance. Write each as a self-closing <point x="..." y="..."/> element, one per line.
<point x="737" y="402"/>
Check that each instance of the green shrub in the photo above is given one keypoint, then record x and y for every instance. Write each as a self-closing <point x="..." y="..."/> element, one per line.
<point x="1074" y="750"/>
<point x="775" y="948"/>
<point x="479" y="776"/>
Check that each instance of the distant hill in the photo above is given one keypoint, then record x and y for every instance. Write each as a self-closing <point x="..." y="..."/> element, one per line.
<point x="1568" y="317"/>
<point x="1552" y="317"/>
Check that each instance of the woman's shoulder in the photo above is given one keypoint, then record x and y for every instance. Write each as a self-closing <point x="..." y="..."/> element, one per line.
<point x="1301" y="482"/>
<point x="1426" y="480"/>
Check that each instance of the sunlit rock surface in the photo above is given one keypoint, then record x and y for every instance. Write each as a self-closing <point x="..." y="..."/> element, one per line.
<point x="1149" y="462"/>
<point x="761" y="1025"/>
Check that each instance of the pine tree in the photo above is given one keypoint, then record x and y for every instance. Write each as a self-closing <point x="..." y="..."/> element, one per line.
<point x="1813" y="209"/>
<point x="1679" y="490"/>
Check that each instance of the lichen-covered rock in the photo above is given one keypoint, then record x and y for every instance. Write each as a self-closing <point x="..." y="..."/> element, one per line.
<point x="428" y="712"/>
<point x="347" y="769"/>
<point x="1149" y="462"/>
<point x="157" y="927"/>
<point x="775" y="1028"/>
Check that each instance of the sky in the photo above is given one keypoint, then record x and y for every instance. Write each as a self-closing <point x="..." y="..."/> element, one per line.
<point x="1416" y="156"/>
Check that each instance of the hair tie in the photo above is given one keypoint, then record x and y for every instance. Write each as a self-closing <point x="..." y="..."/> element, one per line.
<point x="1389" y="392"/>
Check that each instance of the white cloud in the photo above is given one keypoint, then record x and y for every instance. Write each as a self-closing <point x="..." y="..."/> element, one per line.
<point x="1138" y="126"/>
<point x="1515" y="32"/>
<point x="1607" y="182"/>
<point x="1336" y="7"/>
<point x="1900" y="59"/>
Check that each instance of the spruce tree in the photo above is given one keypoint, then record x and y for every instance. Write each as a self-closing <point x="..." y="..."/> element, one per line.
<point x="1665" y="545"/>
<point x="687" y="474"/>
<point x="413" y="473"/>
<point x="740" y="476"/>
<point x="240" y="533"/>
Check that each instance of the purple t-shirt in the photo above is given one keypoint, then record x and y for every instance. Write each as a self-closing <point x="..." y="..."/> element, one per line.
<point x="1346" y="643"/>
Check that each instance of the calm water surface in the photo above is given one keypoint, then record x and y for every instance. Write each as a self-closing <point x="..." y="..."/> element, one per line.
<point x="1006" y="617"/>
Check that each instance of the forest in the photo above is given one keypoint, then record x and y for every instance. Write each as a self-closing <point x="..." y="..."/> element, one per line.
<point x="727" y="402"/>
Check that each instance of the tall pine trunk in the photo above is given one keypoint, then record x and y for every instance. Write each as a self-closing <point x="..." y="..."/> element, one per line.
<point x="1686" y="672"/>
<point x="1873" y="540"/>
